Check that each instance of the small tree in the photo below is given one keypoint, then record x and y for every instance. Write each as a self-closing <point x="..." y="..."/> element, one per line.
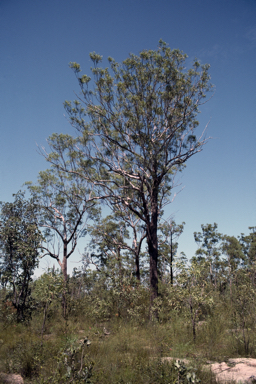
<point x="248" y="244"/>
<point x="244" y="305"/>
<point x="142" y="116"/>
<point x="192" y="290"/>
<point x="47" y="288"/>
<point x="20" y="241"/>
<point x="168" y="245"/>
<point x="209" y="249"/>
<point x="233" y="250"/>
<point x="138" y="232"/>
<point x="108" y="241"/>
<point x="113" y="232"/>
<point x="64" y="202"/>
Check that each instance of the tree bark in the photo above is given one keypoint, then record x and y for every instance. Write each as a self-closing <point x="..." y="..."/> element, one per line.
<point x="137" y="266"/>
<point x="137" y="255"/>
<point x="152" y="241"/>
<point x="171" y="265"/>
<point x="63" y="266"/>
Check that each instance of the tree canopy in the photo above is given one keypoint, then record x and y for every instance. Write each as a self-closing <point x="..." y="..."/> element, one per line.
<point x="20" y="240"/>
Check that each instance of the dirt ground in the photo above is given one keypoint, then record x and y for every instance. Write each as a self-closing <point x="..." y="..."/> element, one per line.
<point x="241" y="370"/>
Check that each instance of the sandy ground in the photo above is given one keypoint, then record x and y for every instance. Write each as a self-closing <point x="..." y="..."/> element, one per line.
<point x="241" y="370"/>
<point x="10" y="378"/>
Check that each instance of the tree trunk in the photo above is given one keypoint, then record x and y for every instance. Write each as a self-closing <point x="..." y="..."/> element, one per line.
<point x="63" y="266"/>
<point x="137" y="266"/>
<point x="171" y="265"/>
<point x="137" y="256"/>
<point x="44" y="320"/>
<point x="153" y="246"/>
<point x="153" y="253"/>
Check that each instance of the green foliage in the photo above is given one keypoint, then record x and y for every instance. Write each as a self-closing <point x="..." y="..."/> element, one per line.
<point x="47" y="287"/>
<point x="243" y="317"/>
<point x="45" y="290"/>
<point x="111" y="238"/>
<point x="189" y="297"/>
<point x="168" y="246"/>
<point x="24" y="357"/>
<point x="73" y="365"/>
<point x="209" y="249"/>
<point x="20" y="241"/>
<point x="185" y="375"/>
<point x="128" y="353"/>
<point x="248" y="244"/>
<point x="111" y="295"/>
<point x="64" y="200"/>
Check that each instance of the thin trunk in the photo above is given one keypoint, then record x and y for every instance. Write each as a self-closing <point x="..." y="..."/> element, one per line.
<point x="119" y="262"/>
<point x="64" y="262"/>
<point x="193" y="318"/>
<point x="23" y="296"/>
<point x="63" y="266"/>
<point x="43" y="325"/>
<point x="230" y="280"/>
<point x="171" y="266"/>
<point x="137" y="249"/>
<point x="137" y="266"/>
<point x="137" y="257"/>
<point x="211" y="273"/>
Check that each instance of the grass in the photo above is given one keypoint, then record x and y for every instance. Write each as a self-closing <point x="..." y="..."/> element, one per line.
<point x="131" y="353"/>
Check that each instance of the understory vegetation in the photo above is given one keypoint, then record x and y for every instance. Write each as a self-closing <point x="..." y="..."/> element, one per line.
<point x="108" y="334"/>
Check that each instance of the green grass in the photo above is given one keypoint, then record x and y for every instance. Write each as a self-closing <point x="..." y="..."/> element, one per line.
<point x="129" y="354"/>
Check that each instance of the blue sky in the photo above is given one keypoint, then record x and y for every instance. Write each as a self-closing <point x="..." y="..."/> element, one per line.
<point x="39" y="38"/>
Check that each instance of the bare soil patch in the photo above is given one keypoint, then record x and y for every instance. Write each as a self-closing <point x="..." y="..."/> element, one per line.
<point x="240" y="370"/>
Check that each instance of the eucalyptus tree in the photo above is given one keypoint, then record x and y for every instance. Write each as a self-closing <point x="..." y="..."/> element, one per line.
<point x="233" y="250"/>
<point x="168" y="245"/>
<point x="20" y="240"/>
<point x="111" y="237"/>
<point x="248" y="243"/>
<point x="137" y="124"/>
<point x="66" y="202"/>
<point x="108" y="238"/>
<point x="191" y="291"/>
<point x="135" y="224"/>
<point x="210" y="249"/>
<point x="47" y="288"/>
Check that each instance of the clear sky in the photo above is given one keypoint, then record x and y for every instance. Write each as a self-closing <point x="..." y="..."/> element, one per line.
<point x="39" y="38"/>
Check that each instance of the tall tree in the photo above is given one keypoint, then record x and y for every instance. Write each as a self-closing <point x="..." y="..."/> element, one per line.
<point x="20" y="240"/>
<point x="141" y="130"/>
<point x="65" y="202"/>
